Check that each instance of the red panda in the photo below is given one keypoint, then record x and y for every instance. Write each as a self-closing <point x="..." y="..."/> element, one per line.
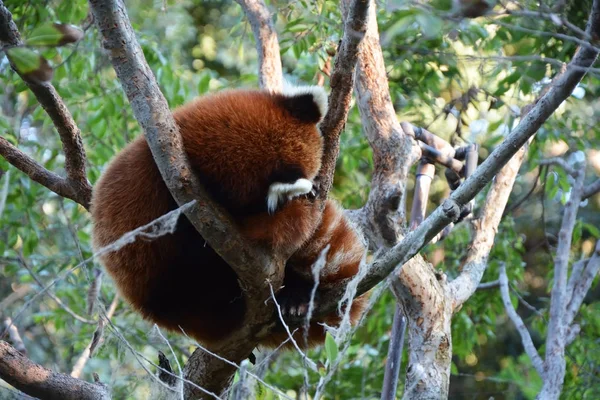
<point x="257" y="153"/>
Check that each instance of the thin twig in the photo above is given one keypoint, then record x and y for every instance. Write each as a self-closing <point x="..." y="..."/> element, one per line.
<point x="55" y="107"/>
<point x="39" y="174"/>
<point x="530" y="349"/>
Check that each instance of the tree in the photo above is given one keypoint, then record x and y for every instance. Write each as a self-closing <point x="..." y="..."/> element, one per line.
<point x="428" y="299"/>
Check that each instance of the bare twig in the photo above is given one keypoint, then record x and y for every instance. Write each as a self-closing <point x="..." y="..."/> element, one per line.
<point x="308" y="362"/>
<point x="37" y="381"/>
<point x="488" y="285"/>
<point x="530" y="349"/>
<point x="15" y="336"/>
<point x="58" y="112"/>
<point x="270" y="76"/>
<point x="4" y="189"/>
<point x="87" y="353"/>
<point x="50" y="294"/>
<point x="558" y="300"/>
<point x="561" y="163"/>
<point x="591" y="189"/>
<point x="41" y="175"/>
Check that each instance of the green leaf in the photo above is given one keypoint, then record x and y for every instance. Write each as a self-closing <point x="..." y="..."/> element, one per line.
<point x="55" y="34"/>
<point x="331" y="348"/>
<point x="30" y="65"/>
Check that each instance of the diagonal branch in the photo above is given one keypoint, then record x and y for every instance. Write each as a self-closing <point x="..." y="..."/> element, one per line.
<point x="270" y="76"/>
<point x="162" y="134"/>
<point x="449" y="211"/>
<point x="55" y="107"/>
<point x="559" y="297"/>
<point x="463" y="287"/>
<point x="530" y="349"/>
<point x="41" y="175"/>
<point x="342" y="82"/>
<point x="37" y="381"/>
<point x="582" y="285"/>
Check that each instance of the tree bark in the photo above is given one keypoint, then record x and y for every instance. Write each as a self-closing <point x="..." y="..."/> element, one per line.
<point x="35" y="380"/>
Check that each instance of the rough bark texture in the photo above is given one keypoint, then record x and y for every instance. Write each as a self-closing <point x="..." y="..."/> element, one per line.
<point x="393" y="151"/>
<point x="35" y="380"/>
<point x="270" y="76"/>
<point x="252" y="266"/>
<point x="342" y="82"/>
<point x="79" y="188"/>
<point x="424" y="299"/>
<point x="152" y="112"/>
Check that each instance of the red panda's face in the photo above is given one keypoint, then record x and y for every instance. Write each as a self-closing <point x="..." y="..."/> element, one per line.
<point x="255" y="150"/>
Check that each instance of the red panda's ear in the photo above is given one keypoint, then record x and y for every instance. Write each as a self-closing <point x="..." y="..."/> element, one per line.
<point x="305" y="103"/>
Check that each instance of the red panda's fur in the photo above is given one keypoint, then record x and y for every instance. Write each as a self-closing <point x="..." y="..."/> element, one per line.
<point x="238" y="143"/>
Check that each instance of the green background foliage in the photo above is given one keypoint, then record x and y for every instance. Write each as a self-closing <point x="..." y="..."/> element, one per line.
<point x="463" y="79"/>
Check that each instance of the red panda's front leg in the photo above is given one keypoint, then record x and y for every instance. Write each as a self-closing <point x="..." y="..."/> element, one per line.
<point x="342" y="260"/>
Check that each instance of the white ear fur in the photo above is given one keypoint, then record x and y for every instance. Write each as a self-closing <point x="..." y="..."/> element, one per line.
<point x="279" y="191"/>
<point x="318" y="93"/>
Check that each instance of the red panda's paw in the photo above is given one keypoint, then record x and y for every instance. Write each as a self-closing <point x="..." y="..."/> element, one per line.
<point x="282" y="192"/>
<point x="294" y="301"/>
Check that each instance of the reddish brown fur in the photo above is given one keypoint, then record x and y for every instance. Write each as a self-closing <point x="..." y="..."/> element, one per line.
<point x="238" y="143"/>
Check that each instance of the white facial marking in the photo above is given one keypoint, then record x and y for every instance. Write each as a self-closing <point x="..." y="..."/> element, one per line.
<point x="279" y="191"/>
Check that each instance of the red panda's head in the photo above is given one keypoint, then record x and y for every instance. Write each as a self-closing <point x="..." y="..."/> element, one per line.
<point x="255" y="150"/>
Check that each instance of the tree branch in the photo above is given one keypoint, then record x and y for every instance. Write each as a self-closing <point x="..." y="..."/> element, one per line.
<point x="151" y="110"/>
<point x="393" y="150"/>
<point x="342" y="82"/>
<point x="270" y="76"/>
<point x="582" y="285"/>
<point x="41" y="175"/>
<point x="252" y="266"/>
<point x="530" y="349"/>
<point x="449" y="211"/>
<point x="591" y="189"/>
<point x="557" y="325"/>
<point x="55" y="107"/>
<point x="37" y="381"/>
<point x="464" y="285"/>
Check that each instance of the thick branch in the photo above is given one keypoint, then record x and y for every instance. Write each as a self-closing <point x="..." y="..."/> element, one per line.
<point x="152" y="112"/>
<point x="530" y="349"/>
<point x="392" y="149"/>
<point x="55" y="107"/>
<point x="341" y="81"/>
<point x="252" y="266"/>
<point x="41" y="175"/>
<point x="35" y="380"/>
<point x="270" y="76"/>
